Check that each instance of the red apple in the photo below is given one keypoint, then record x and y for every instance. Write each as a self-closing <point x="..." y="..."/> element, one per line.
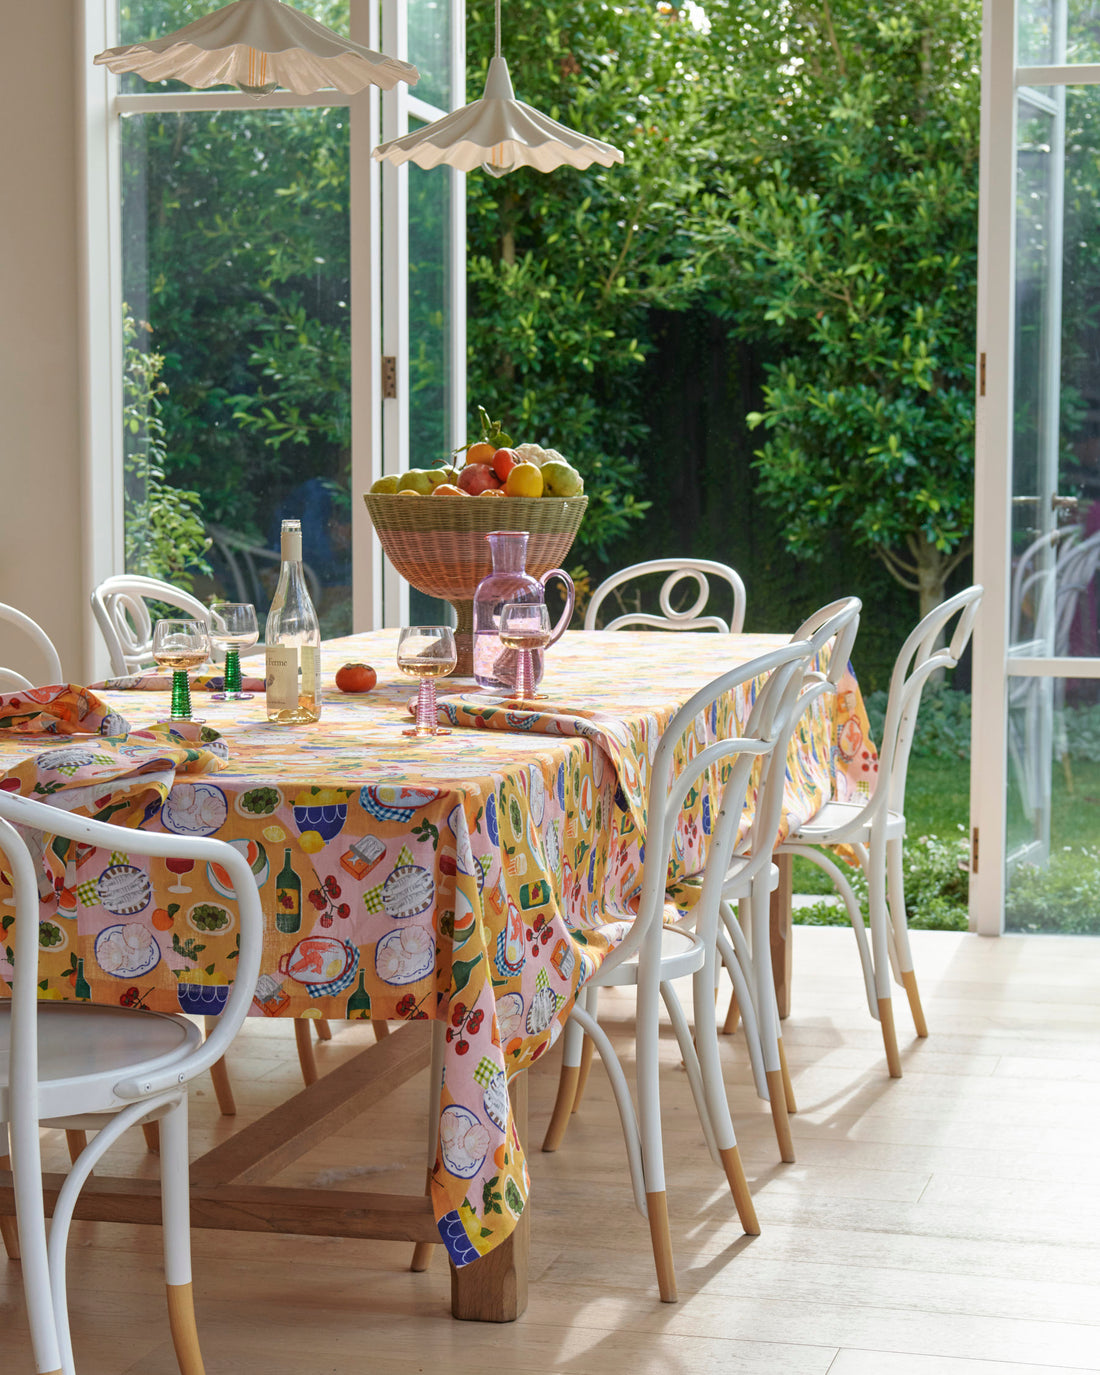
<point x="476" y="478"/>
<point x="503" y="461"/>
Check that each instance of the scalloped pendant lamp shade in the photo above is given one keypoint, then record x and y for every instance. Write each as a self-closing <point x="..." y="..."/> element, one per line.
<point x="259" y="46"/>
<point x="498" y="133"/>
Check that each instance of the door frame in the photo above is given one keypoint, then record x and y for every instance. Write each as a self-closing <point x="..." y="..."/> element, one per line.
<point x="1002" y="80"/>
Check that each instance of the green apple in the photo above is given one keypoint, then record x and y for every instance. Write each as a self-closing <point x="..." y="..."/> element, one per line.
<point x="416" y="480"/>
<point x="437" y="476"/>
<point x="559" y="479"/>
<point x="387" y="484"/>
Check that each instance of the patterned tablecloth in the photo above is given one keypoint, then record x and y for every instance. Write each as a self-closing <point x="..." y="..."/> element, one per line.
<point x="476" y="878"/>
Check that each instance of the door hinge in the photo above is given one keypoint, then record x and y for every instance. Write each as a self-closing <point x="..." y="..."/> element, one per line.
<point x="981" y="374"/>
<point x="974" y="850"/>
<point x="389" y="379"/>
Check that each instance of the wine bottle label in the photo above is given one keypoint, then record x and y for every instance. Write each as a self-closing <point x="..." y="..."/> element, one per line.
<point x="282" y="678"/>
<point x="311" y="672"/>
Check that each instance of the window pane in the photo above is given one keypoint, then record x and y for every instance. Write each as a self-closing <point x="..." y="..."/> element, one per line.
<point x="235" y="272"/>
<point x="1053" y="881"/>
<point x="1040" y="40"/>
<point x="429" y="335"/>
<point x="429" y="26"/>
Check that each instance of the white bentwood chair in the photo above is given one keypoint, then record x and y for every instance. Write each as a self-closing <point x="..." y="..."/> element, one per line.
<point x="43" y="648"/>
<point x="121" y="611"/>
<point x="653" y="954"/>
<point x="875" y="829"/>
<point x="694" y="572"/>
<point x="752" y="876"/>
<point x="103" y="1068"/>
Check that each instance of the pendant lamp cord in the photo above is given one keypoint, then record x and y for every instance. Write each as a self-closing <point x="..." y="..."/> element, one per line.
<point x="497" y="51"/>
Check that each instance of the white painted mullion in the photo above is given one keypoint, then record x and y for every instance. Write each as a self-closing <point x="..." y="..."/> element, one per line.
<point x="395" y="287"/>
<point x="1083" y="74"/>
<point x="457" y="238"/>
<point x="365" y="252"/>
<point x="99" y="277"/>
<point x="992" y="465"/>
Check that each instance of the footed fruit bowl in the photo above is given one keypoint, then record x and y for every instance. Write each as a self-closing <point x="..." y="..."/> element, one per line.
<point x="438" y="544"/>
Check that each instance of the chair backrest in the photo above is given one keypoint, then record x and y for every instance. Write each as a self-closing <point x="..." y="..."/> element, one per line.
<point x="21" y="815"/>
<point x="694" y="572"/>
<point x="919" y="658"/>
<point x="43" y="646"/>
<point x="669" y="786"/>
<point x="122" y="613"/>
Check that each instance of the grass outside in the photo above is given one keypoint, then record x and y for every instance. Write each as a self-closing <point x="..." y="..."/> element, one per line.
<point x="1062" y="896"/>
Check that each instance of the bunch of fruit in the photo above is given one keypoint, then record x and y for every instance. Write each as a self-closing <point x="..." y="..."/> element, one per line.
<point x="491" y="467"/>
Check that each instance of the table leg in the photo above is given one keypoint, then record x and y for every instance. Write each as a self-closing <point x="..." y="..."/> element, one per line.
<point x="781" y="935"/>
<point x="494" y="1288"/>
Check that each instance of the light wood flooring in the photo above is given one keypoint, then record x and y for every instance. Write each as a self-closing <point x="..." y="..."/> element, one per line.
<point x="944" y="1224"/>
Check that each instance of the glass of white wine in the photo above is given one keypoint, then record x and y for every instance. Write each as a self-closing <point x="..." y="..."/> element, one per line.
<point x="426" y="652"/>
<point x="525" y="627"/>
<point x="180" y="645"/>
<point x="233" y="627"/>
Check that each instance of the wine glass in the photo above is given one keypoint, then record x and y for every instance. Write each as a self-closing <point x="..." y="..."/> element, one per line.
<point x="426" y="652"/>
<point x="180" y="645"/>
<point x="524" y="627"/>
<point x="233" y="628"/>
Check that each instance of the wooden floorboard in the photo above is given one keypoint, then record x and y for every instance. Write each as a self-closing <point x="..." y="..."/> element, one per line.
<point x="944" y="1224"/>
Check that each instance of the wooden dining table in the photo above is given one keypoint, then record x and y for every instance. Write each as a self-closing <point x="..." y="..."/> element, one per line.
<point x="464" y="885"/>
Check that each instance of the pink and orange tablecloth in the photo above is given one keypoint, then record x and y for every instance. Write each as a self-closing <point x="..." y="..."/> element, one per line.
<point x="476" y="878"/>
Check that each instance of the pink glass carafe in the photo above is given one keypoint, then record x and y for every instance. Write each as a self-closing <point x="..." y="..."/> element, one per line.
<point x="494" y="665"/>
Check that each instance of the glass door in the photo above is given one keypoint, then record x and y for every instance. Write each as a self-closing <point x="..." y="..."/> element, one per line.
<point x="1036" y="781"/>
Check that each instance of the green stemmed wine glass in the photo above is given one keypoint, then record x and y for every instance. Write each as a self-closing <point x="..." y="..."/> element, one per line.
<point x="180" y="645"/>
<point x="233" y="628"/>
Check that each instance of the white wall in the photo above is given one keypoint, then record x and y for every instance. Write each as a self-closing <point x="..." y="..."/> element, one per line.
<point x="41" y="555"/>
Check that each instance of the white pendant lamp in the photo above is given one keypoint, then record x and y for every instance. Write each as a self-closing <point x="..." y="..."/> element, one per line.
<point x="498" y="133"/>
<point x="259" y="46"/>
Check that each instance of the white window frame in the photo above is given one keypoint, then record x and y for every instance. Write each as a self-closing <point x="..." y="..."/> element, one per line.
<point x="1002" y="82"/>
<point x="379" y="319"/>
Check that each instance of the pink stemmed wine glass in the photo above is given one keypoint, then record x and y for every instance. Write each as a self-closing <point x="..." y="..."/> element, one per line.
<point x="426" y="652"/>
<point x="525" y="627"/>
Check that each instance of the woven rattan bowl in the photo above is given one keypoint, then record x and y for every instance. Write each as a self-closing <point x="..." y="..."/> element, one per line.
<point x="438" y="544"/>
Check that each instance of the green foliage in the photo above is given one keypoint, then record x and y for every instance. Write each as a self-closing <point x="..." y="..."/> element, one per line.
<point x="943" y="723"/>
<point x="565" y="269"/>
<point x="936" y="882"/>
<point x="853" y="247"/>
<point x="164" y="536"/>
<point x="1065" y="896"/>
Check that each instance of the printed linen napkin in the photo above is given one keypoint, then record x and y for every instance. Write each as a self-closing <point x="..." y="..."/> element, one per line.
<point x="62" y="709"/>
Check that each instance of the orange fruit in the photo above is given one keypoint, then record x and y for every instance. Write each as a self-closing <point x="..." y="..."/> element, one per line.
<point x="524" y="480"/>
<point x="162" y="919"/>
<point x="481" y="452"/>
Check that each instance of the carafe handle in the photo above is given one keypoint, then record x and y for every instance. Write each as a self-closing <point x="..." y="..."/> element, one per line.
<point x="570" y="598"/>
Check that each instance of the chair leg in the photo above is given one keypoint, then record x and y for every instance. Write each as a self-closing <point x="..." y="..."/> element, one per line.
<point x="151" y="1132"/>
<point x="733" y="1017"/>
<point x="909" y="979"/>
<point x="175" y="1215"/>
<point x="380" y="1029"/>
<point x="9" y="1227"/>
<point x="739" y="1188"/>
<point x="75" y="1141"/>
<point x="895" y="897"/>
<point x="788" y="1087"/>
<point x="324" y="1031"/>
<point x="767" y="1012"/>
<point x="588" y="1053"/>
<point x="223" y="1088"/>
<point x="302" y="1036"/>
<point x="889" y="1036"/>
<point x="661" y="1240"/>
<point x="573" y="1039"/>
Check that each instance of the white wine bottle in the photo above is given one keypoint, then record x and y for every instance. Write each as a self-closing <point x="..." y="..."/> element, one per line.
<point x="292" y="638"/>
